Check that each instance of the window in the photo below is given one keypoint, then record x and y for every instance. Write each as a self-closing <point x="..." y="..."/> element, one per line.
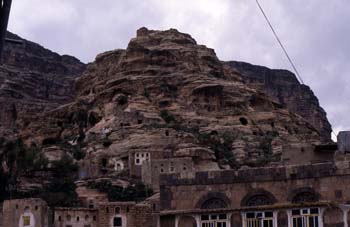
<point x="78" y="218"/>
<point x="69" y="217"/>
<point x="91" y="204"/>
<point x="140" y="157"/>
<point x="104" y="162"/>
<point x="171" y="168"/>
<point x="117" y="222"/>
<point x="308" y="217"/>
<point x="26" y="220"/>
<point x="214" y="220"/>
<point x="117" y="210"/>
<point x="259" y="219"/>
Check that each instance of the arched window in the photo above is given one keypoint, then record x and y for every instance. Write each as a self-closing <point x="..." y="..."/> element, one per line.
<point x="214" y="203"/>
<point x="258" y="200"/>
<point x="258" y="197"/>
<point x="305" y="197"/>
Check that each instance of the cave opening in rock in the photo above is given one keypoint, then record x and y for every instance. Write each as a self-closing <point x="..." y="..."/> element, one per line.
<point x="243" y="120"/>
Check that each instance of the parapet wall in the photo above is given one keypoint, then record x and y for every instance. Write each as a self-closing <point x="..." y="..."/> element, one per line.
<point x="282" y="185"/>
<point x="279" y="173"/>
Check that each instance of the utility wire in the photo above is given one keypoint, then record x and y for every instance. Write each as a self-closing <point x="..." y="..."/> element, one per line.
<point x="279" y="41"/>
<point x="283" y="48"/>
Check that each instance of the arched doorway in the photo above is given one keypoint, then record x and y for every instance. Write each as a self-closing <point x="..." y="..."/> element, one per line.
<point x="333" y="216"/>
<point x="187" y="221"/>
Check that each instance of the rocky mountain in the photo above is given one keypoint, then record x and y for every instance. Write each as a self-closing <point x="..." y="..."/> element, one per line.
<point x="170" y="97"/>
<point x="283" y="87"/>
<point x="33" y="80"/>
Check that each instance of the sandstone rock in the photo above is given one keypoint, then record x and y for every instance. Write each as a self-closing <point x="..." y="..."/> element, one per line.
<point x="283" y="87"/>
<point x="170" y="97"/>
<point x="33" y="80"/>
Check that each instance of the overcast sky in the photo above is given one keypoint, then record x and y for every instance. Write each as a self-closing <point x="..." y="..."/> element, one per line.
<point x="315" y="32"/>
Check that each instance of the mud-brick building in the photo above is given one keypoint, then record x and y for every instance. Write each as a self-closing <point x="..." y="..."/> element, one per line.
<point x="26" y="213"/>
<point x="126" y="214"/>
<point x="77" y="217"/>
<point x="287" y="196"/>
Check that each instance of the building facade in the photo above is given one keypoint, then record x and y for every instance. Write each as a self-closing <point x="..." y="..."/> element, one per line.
<point x="286" y="196"/>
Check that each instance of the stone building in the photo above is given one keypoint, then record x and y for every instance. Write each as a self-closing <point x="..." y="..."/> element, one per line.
<point x="26" y="213"/>
<point x="286" y="196"/>
<point x="125" y="214"/>
<point x="152" y="170"/>
<point x="75" y="217"/>
<point x="315" y="193"/>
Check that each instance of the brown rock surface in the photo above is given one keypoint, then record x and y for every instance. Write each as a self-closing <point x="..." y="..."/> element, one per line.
<point x="283" y="87"/>
<point x="32" y="81"/>
<point x="169" y="96"/>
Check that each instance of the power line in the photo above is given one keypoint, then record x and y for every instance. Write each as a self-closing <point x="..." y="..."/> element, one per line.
<point x="279" y="41"/>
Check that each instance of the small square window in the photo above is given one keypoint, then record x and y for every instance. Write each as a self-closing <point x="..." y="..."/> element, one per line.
<point x="205" y="217"/>
<point x="314" y="211"/>
<point x="213" y="217"/>
<point x="268" y="214"/>
<point x="222" y="216"/>
<point x="295" y="212"/>
<point x="250" y="215"/>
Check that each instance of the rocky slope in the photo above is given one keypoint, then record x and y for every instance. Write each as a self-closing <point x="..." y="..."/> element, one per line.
<point x="169" y="96"/>
<point x="32" y="81"/>
<point x="283" y="87"/>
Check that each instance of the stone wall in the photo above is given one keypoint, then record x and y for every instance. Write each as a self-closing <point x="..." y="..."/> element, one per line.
<point x="76" y="217"/>
<point x="90" y="198"/>
<point x="136" y="170"/>
<point x="35" y="211"/>
<point x="328" y="180"/>
<point x="297" y="154"/>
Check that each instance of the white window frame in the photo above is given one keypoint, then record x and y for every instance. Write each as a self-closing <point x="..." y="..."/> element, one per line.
<point x="259" y="218"/>
<point x="141" y="157"/>
<point x="214" y="220"/>
<point x="273" y="218"/>
<point x="305" y="213"/>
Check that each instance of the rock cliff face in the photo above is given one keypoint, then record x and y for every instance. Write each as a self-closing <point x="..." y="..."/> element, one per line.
<point x="170" y="97"/>
<point x="284" y="88"/>
<point x="32" y="81"/>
